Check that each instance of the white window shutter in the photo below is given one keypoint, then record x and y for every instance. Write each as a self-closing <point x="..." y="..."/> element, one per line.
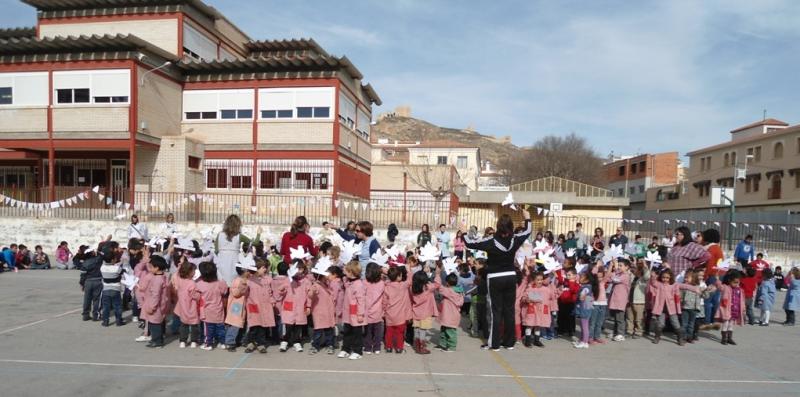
<point x="200" y="101"/>
<point x="316" y="97"/>
<point x="199" y="44"/>
<point x="30" y="89"/>
<point x="64" y="80"/>
<point x="236" y="99"/>
<point x="111" y="83"/>
<point x="276" y="99"/>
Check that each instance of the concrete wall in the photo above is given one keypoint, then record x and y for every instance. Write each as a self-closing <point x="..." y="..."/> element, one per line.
<point x="23" y="120"/>
<point x="159" y="105"/>
<point x="160" y="32"/>
<point x="295" y="132"/>
<point x="90" y="118"/>
<point x="221" y="133"/>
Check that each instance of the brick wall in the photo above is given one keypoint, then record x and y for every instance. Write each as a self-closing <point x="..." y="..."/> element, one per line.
<point x="160" y="32"/>
<point x="90" y="119"/>
<point x="230" y="133"/>
<point x="23" y="120"/>
<point x="295" y="132"/>
<point x="160" y="104"/>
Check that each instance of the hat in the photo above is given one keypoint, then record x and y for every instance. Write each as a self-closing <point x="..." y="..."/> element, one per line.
<point x="246" y="262"/>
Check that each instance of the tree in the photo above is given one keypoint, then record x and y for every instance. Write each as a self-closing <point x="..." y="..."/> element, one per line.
<point x="568" y="157"/>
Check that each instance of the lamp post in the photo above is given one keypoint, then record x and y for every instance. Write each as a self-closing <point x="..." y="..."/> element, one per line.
<point x="737" y="174"/>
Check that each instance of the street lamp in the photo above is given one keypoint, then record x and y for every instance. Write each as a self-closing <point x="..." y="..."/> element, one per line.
<point x="737" y="174"/>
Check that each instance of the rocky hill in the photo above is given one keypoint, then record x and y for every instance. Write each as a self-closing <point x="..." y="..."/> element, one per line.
<point x="410" y="129"/>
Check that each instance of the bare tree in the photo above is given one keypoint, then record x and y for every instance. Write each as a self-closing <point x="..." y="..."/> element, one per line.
<point x="568" y="157"/>
<point x="437" y="180"/>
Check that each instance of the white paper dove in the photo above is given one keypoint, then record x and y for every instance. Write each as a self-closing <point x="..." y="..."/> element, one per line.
<point x="449" y="265"/>
<point x="381" y="260"/>
<point x="725" y="264"/>
<point x="551" y="265"/>
<point x="579" y="268"/>
<point x="429" y="252"/>
<point x="299" y="253"/>
<point x="349" y="250"/>
<point x="394" y="251"/>
<point x="653" y="257"/>
<point x="196" y="274"/>
<point x="540" y="246"/>
<point x="156" y="241"/>
<point x="509" y="201"/>
<point x="185" y="244"/>
<point x="679" y="278"/>
<point x="322" y="266"/>
<point x="616" y="250"/>
<point x="292" y="271"/>
<point x="570" y="252"/>
<point x="129" y="281"/>
<point x="247" y="262"/>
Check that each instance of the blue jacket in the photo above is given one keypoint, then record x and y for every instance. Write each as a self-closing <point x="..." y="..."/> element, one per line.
<point x="792" y="301"/>
<point x="744" y="251"/>
<point x="765" y="297"/>
<point x="371" y="246"/>
<point x="8" y="256"/>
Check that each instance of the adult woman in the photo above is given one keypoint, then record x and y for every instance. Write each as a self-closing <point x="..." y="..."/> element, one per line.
<point x="458" y="245"/>
<point x="598" y="244"/>
<point x="501" y="276"/>
<point x="137" y="230"/>
<point x="570" y="242"/>
<point x="424" y="237"/>
<point x="169" y="227"/>
<point x="686" y="254"/>
<point x="297" y="237"/>
<point x="443" y="240"/>
<point x="369" y="246"/>
<point x="229" y="245"/>
<point x="710" y="241"/>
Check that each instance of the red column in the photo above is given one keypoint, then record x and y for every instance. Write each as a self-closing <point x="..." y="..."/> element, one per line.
<point x="51" y="152"/>
<point x="255" y="142"/>
<point x="405" y="190"/>
<point x="133" y="127"/>
<point x="336" y="132"/>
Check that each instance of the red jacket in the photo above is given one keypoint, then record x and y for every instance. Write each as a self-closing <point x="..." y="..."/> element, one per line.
<point x="299" y="240"/>
<point x="749" y="286"/>
<point x="570" y="292"/>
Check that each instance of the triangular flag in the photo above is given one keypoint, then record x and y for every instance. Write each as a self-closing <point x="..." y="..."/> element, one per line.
<point x="336" y="203"/>
<point x="733" y="224"/>
<point x="769" y="227"/>
<point x="127" y="206"/>
<point x="109" y="200"/>
<point x="716" y="223"/>
<point x="783" y="228"/>
<point x="7" y="199"/>
<point x="54" y="204"/>
<point x="761" y="227"/>
<point x="63" y="203"/>
<point x="153" y="203"/>
<point x="253" y="209"/>
<point x="96" y="189"/>
<point x="746" y="224"/>
<point x="193" y="197"/>
<point x="119" y="203"/>
<point x="639" y="221"/>
<point x="346" y="204"/>
<point x="666" y="221"/>
<point x="82" y="196"/>
<point x="539" y="210"/>
<point x="101" y="196"/>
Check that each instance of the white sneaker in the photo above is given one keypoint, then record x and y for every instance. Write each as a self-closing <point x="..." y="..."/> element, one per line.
<point x="354" y="356"/>
<point x="134" y="319"/>
<point x="342" y="354"/>
<point x="143" y="338"/>
<point x="377" y="352"/>
<point x="581" y="345"/>
<point x="619" y="338"/>
<point x="221" y="346"/>
<point x="367" y="352"/>
<point x="284" y="346"/>
<point x="298" y="347"/>
<point x="182" y="345"/>
<point x="193" y="345"/>
<point x="206" y="348"/>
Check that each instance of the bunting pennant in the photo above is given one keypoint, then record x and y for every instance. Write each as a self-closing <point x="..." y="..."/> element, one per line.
<point x="119" y="203"/>
<point x="717" y="224"/>
<point x="546" y="211"/>
<point x="62" y="203"/>
<point x="666" y="221"/>
<point x="253" y="209"/>
<point x="101" y="196"/>
<point x="54" y="204"/>
<point x="193" y="197"/>
<point x="153" y="203"/>
<point x="96" y="189"/>
<point x="761" y="227"/>
<point x="127" y="206"/>
<point x="346" y="205"/>
<point x="336" y="203"/>
<point x="109" y="200"/>
<point x="733" y="224"/>
<point x="783" y="228"/>
<point x="652" y="221"/>
<point x="769" y="227"/>
<point x="538" y="210"/>
<point x="82" y="196"/>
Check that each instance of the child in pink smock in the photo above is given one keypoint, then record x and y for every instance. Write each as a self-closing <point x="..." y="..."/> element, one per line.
<point x="212" y="309"/>
<point x="374" y="295"/>
<point x="397" y="309"/>
<point x="537" y="301"/>
<point x="450" y="313"/>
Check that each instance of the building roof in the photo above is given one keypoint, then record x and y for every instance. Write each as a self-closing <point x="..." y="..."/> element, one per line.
<point x="17" y="32"/>
<point x="760" y="123"/>
<point x="83" y="43"/>
<point x="554" y="184"/>
<point x="298" y="47"/>
<point x="443" y="143"/>
<point x="770" y="135"/>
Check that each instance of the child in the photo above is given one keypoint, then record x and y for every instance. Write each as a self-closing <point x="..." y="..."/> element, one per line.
<point x="237" y="299"/>
<point x="293" y="308"/>
<point x="279" y="283"/>
<point x="749" y="285"/>
<point x="212" y="312"/>
<point x="111" y="271"/>
<point x="666" y="303"/>
<point x="778" y="275"/>
<point x="600" y="304"/>
<point x="479" y="301"/>
<point x="156" y="302"/>
<point x="450" y="313"/>
<point x="397" y="309"/>
<point x="765" y="297"/>
<point x="354" y="313"/>
<point x="423" y="309"/>
<point x="336" y="282"/>
<point x="653" y="246"/>
<point x="585" y="307"/>
<point x="566" y="303"/>
<point x="731" y="306"/>
<point x="187" y="297"/>
<point x="260" y="307"/>
<point x="321" y="303"/>
<point x="690" y="305"/>
<point x="374" y="296"/>
<point x="620" y="292"/>
<point x="63" y="254"/>
<point x="537" y="301"/>
<point x="636" y="300"/>
<point x="792" y="301"/>
<point x="522" y="275"/>
<point x="274" y="258"/>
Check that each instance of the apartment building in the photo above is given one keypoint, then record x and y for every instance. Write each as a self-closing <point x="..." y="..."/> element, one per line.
<point x="171" y="96"/>
<point x="631" y="176"/>
<point x="767" y="156"/>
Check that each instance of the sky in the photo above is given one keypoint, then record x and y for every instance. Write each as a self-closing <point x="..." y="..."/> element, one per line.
<point x="630" y="77"/>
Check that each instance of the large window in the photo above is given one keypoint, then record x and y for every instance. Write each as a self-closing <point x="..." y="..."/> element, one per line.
<point x="218" y="104"/>
<point x="197" y="45"/>
<point x="275" y="179"/>
<point x="94" y="86"/>
<point x="461" y="162"/>
<point x="778" y="150"/>
<point x="633" y="168"/>
<point x="621" y="171"/>
<point x="216" y="178"/>
<point x="363" y="126"/>
<point x="24" y="89"/>
<point x="295" y="103"/>
<point x="347" y="111"/>
<point x="441" y="160"/>
<point x="295" y="174"/>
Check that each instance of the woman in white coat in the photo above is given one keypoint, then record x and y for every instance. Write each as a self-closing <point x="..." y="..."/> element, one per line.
<point x="229" y="245"/>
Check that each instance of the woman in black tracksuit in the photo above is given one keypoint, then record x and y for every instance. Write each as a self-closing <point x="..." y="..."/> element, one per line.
<point x="501" y="278"/>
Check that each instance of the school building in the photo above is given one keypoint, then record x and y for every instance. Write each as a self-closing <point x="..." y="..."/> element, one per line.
<point x="170" y="96"/>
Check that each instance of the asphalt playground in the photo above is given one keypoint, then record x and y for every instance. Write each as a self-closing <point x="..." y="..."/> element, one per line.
<point x="46" y="350"/>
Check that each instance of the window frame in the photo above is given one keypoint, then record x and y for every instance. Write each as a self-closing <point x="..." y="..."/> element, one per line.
<point x="10" y="95"/>
<point x="113" y="100"/>
<point x="439" y="160"/>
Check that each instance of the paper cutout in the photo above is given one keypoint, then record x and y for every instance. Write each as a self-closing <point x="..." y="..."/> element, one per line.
<point x="129" y="281"/>
<point x="196" y="274"/>
<point x="349" y="250"/>
<point x="299" y="253"/>
<point x="571" y="252"/>
<point x="653" y="257"/>
<point x="380" y="259"/>
<point x="509" y="202"/>
<point x="449" y="265"/>
<point x="96" y="189"/>
<point x="429" y="252"/>
<point x="322" y="266"/>
<point x="394" y="251"/>
<point x="292" y="271"/>
<point x="247" y="262"/>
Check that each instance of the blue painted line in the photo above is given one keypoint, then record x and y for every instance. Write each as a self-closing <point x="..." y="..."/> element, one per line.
<point x="238" y="365"/>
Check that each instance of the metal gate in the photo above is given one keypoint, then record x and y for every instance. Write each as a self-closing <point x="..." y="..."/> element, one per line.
<point x="119" y="180"/>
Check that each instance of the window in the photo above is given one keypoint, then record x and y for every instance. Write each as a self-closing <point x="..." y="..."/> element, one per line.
<point x="241" y="182"/>
<point x="194" y="162"/>
<point x="758" y="153"/>
<point x="726" y="159"/>
<point x="363" y="126"/>
<point x="299" y="103"/>
<point x="461" y="162"/>
<point x="621" y="172"/>
<point x="5" y="96"/>
<point x="216" y="178"/>
<point x="441" y="160"/>
<point x="633" y="168"/>
<point x="643" y="166"/>
<point x="347" y="111"/>
<point x="619" y="192"/>
<point x="24" y="89"/>
<point x="797" y="179"/>
<point x="73" y="95"/>
<point x="197" y="45"/>
<point x="752" y="183"/>
<point x="798" y="145"/>
<point x="660" y="195"/>
<point x="641" y="188"/>
<point x="97" y="86"/>
<point x="313" y="112"/>
<point x="275" y="180"/>
<point x="632" y="190"/>
<point x="422" y="159"/>
<point x="733" y="159"/>
<point x="704" y="189"/>
<point x="218" y="104"/>
<point x="778" y="150"/>
<point x="227" y="114"/>
<point x="308" y="180"/>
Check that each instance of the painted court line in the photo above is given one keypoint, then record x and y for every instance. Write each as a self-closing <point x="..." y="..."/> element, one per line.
<point x="395" y="373"/>
<point x="17" y="328"/>
<point x="506" y="366"/>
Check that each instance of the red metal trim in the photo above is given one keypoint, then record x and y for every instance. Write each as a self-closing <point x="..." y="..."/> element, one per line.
<point x="180" y="34"/>
<point x="44" y="144"/>
<point x="133" y="128"/>
<point x="20" y="155"/>
<point x="272" y="83"/>
<point x="64" y="65"/>
<point x="255" y="141"/>
<point x="107" y="18"/>
<point x="269" y="155"/>
<point x="336" y="140"/>
<point x="51" y="150"/>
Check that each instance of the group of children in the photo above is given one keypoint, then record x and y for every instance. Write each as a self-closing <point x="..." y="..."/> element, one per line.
<point x="334" y="303"/>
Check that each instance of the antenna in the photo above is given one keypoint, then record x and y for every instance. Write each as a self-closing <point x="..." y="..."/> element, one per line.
<point x="764" y="117"/>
